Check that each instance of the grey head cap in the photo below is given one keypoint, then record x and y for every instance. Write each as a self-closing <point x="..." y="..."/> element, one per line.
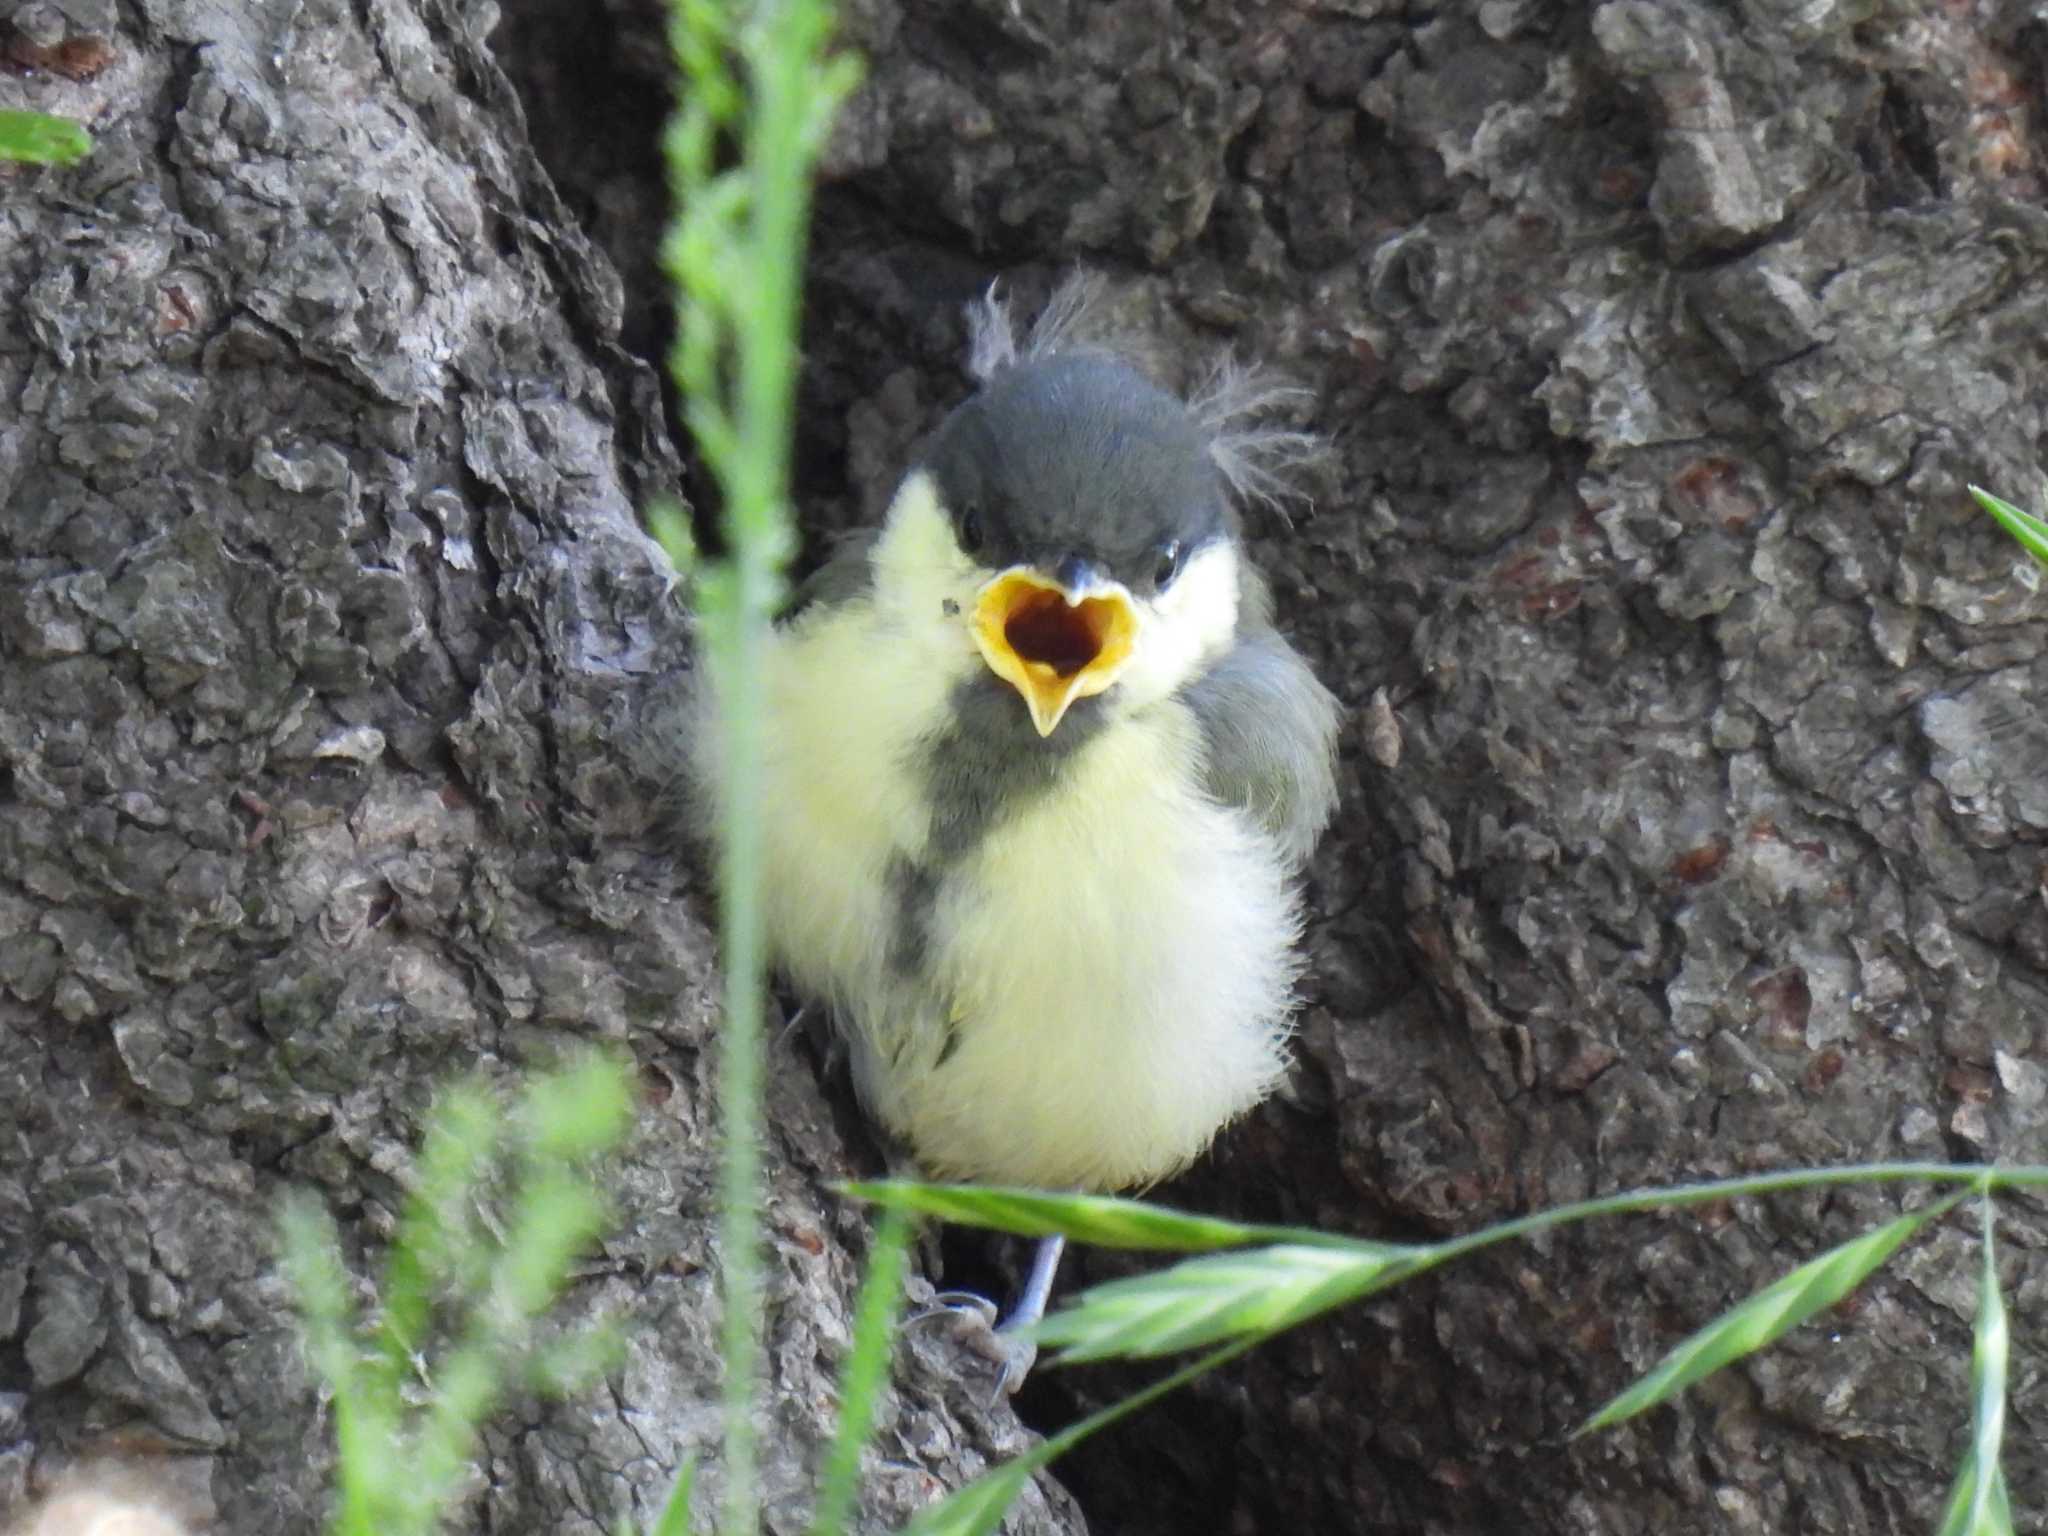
<point x="1088" y="451"/>
<point x="1078" y="456"/>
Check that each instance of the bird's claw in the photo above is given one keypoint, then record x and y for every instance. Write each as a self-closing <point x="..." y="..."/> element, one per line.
<point x="962" y="1304"/>
<point x="975" y="1327"/>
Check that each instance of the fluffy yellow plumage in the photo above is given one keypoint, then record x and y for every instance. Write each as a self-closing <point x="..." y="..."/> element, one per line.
<point x="1040" y="773"/>
<point x="1107" y="975"/>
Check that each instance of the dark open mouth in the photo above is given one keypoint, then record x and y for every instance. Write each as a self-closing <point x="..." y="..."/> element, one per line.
<point x="1050" y="649"/>
<point x="1043" y="627"/>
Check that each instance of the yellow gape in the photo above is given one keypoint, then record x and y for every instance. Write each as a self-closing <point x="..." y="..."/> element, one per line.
<point x="1051" y="644"/>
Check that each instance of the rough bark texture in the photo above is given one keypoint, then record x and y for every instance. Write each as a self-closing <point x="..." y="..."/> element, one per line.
<point x="1698" y="828"/>
<point x="323" y="619"/>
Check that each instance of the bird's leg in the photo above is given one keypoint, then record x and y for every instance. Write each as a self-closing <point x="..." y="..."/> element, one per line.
<point x="1000" y="1342"/>
<point x="792" y="1024"/>
<point x="1045" y="1263"/>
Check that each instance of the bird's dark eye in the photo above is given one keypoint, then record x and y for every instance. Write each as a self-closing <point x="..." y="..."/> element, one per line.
<point x="1168" y="566"/>
<point x="970" y="529"/>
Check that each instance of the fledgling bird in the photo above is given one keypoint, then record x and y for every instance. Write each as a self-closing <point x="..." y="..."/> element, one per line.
<point x="1041" y="773"/>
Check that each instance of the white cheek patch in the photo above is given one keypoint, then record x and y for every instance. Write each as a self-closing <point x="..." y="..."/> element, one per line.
<point x="925" y="591"/>
<point x="924" y="585"/>
<point x="1186" y="627"/>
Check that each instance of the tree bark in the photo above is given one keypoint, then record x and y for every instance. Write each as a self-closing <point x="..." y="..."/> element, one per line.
<point x="1693" y="815"/>
<point x="324" y="618"/>
<point x="1693" y="822"/>
<point x="1694" y="812"/>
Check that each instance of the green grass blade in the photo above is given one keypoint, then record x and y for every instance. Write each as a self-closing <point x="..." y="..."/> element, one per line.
<point x="580" y="1358"/>
<point x="1743" y="1330"/>
<point x="1208" y="1301"/>
<point x="2001" y="1505"/>
<point x="406" y="1403"/>
<point x="1990" y="1355"/>
<point x="465" y="1388"/>
<point x="318" y="1279"/>
<point x="752" y="86"/>
<point x="2030" y="532"/>
<point x="979" y="1507"/>
<point x="556" y="1216"/>
<point x="1992" y="1518"/>
<point x="1103" y="1220"/>
<point x="578" y="1111"/>
<point x="674" y="1519"/>
<point x="865" y="1376"/>
<point x="1976" y="1504"/>
<point x="670" y="526"/>
<point x="434" y="1232"/>
<point x="36" y="138"/>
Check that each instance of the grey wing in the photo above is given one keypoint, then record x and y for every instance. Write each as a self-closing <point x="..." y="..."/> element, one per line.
<point x="846" y="575"/>
<point x="1269" y="739"/>
<point x="675" y="744"/>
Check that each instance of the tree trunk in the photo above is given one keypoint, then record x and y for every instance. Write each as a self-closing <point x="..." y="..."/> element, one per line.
<point x="1692" y="822"/>
<point x="1694" y="813"/>
<point x="324" y="614"/>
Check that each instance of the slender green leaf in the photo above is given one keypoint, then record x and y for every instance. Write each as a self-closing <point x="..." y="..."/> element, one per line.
<point x="1206" y="1301"/>
<point x="566" y="1365"/>
<point x="979" y="1507"/>
<point x="400" y="1457"/>
<point x="1990" y="1354"/>
<point x="863" y="1380"/>
<point x="2000" y="1522"/>
<point x="753" y="87"/>
<point x="579" y="1111"/>
<point x="465" y="1389"/>
<point x="314" y="1270"/>
<point x="434" y="1237"/>
<point x="670" y="526"/>
<point x="1103" y="1220"/>
<point x="1779" y="1307"/>
<point x="1976" y="1504"/>
<point x="1992" y="1518"/>
<point x="40" y="139"/>
<point x="319" y="1282"/>
<point x="557" y="1215"/>
<point x="2030" y="532"/>
<point x="674" y="1519"/>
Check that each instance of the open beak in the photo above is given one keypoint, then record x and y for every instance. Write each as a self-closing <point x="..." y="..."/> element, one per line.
<point x="1051" y="643"/>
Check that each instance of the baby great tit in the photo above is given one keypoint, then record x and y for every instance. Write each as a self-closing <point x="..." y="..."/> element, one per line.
<point x="1041" y="773"/>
